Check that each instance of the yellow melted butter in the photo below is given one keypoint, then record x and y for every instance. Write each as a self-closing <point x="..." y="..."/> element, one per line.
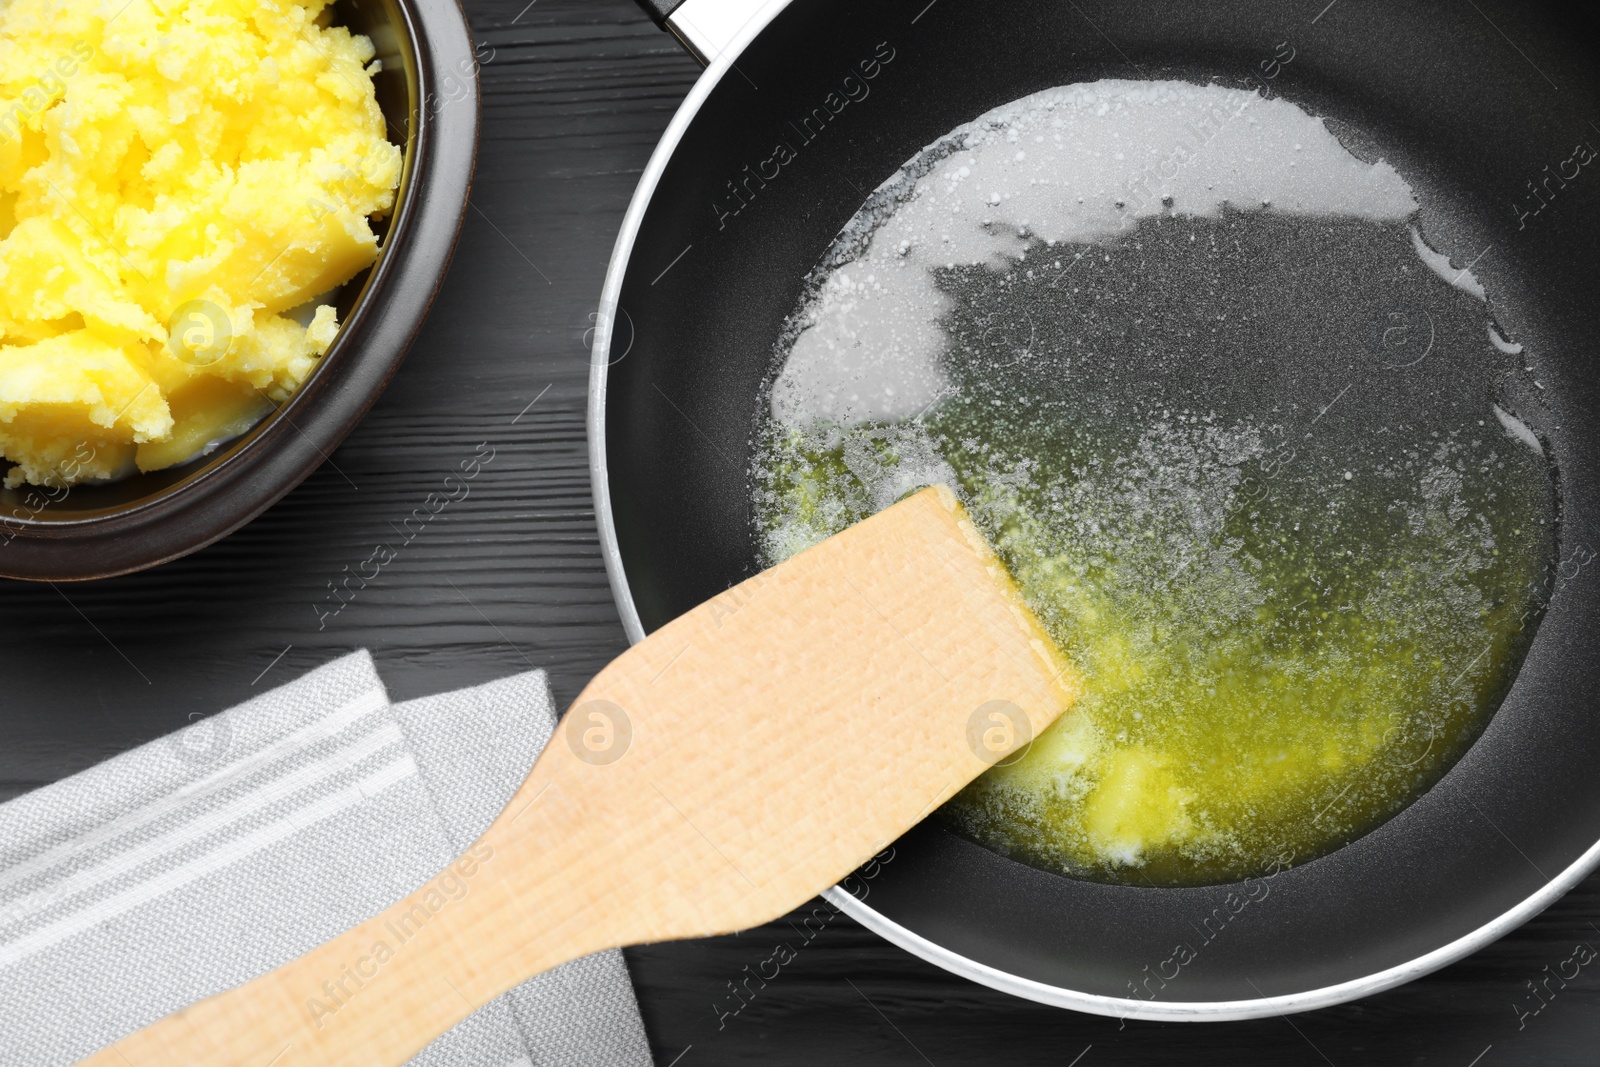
<point x="1269" y="699"/>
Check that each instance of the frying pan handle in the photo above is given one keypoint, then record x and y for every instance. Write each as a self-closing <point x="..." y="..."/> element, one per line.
<point x="660" y="10"/>
<point x="706" y="28"/>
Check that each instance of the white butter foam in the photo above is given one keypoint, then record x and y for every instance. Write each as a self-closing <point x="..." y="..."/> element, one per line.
<point x="1510" y="348"/>
<point x="1076" y="164"/>
<point x="1462" y="278"/>
<point x="1518" y="429"/>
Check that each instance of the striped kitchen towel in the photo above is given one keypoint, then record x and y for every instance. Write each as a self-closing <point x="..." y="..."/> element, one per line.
<point x="196" y="862"/>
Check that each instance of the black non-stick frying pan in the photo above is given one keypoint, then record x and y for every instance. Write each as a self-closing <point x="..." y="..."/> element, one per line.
<point x="1471" y="100"/>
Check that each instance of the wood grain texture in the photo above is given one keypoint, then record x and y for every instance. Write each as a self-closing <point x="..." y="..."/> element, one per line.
<point x="575" y="95"/>
<point x="745" y="757"/>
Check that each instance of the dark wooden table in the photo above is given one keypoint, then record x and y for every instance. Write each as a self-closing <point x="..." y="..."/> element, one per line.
<point x="575" y="94"/>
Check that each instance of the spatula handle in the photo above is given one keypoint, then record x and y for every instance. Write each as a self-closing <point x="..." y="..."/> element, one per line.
<point x="379" y="993"/>
<point x="741" y="760"/>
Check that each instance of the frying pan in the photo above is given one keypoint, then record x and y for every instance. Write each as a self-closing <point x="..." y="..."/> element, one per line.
<point x="1470" y="101"/>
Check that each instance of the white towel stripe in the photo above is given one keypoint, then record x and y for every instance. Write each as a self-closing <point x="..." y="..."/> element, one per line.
<point x="325" y="807"/>
<point x="327" y="726"/>
<point x="268" y="794"/>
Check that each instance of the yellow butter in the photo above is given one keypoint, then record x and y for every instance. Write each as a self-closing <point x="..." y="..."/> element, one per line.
<point x="179" y="182"/>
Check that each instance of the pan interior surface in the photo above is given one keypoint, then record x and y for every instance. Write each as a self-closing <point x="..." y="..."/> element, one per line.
<point x="1248" y="444"/>
<point x="752" y="199"/>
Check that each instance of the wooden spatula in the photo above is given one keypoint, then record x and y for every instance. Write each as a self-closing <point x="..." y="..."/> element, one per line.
<point x="744" y="758"/>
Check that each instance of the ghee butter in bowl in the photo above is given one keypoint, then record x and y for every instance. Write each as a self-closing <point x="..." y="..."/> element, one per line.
<point x="221" y="222"/>
<point x="174" y="184"/>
